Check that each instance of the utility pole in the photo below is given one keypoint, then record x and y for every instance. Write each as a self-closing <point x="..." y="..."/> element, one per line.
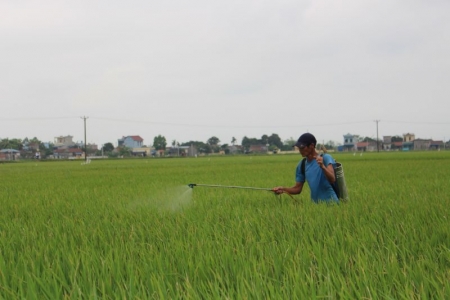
<point x="378" y="147"/>
<point x="85" y="145"/>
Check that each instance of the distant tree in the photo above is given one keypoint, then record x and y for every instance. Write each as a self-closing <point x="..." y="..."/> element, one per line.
<point x="246" y="143"/>
<point x="273" y="148"/>
<point x="35" y="140"/>
<point x="288" y="144"/>
<point x="368" y="139"/>
<point x="47" y="151"/>
<point x="233" y="141"/>
<point x="42" y="147"/>
<point x="124" y="151"/>
<point x="213" y="141"/>
<point x="225" y="148"/>
<point x="30" y="146"/>
<point x="11" y="144"/>
<point x="108" y="147"/>
<point x="396" y="139"/>
<point x="208" y="149"/>
<point x="17" y="143"/>
<point x="265" y="139"/>
<point x="275" y="140"/>
<point x="159" y="142"/>
<point x="330" y="145"/>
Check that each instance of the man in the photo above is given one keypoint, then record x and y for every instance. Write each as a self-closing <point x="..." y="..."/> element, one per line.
<point x="318" y="172"/>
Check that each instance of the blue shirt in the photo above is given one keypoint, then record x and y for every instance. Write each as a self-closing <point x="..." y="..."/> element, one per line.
<point x="321" y="189"/>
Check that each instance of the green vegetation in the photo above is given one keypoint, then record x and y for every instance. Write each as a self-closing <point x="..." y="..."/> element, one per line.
<point x="133" y="229"/>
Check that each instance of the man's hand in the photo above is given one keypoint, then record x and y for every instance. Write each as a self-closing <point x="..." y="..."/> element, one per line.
<point x="278" y="190"/>
<point x="319" y="160"/>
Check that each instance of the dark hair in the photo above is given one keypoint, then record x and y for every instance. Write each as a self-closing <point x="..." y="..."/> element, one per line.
<point x="305" y="140"/>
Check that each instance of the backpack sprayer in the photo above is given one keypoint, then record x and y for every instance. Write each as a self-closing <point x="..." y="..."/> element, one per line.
<point x="340" y="187"/>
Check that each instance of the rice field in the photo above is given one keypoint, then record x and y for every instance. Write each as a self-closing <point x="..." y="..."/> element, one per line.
<point x="133" y="229"/>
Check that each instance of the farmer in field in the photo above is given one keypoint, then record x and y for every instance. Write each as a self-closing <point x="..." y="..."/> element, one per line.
<point x="318" y="171"/>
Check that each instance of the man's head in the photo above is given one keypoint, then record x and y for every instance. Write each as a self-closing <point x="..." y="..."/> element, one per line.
<point x="306" y="143"/>
<point x="305" y="140"/>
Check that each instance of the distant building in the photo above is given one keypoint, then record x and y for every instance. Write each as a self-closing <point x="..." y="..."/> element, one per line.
<point x="143" y="151"/>
<point x="131" y="141"/>
<point x="396" y="145"/>
<point x="387" y="142"/>
<point x="408" y="141"/>
<point x="421" y="144"/>
<point x="350" y="141"/>
<point x="92" y="147"/>
<point x="366" y="146"/>
<point x="65" y="153"/>
<point x="234" y="149"/>
<point x="409" y="137"/>
<point x="258" y="148"/>
<point x="182" y="151"/>
<point x="64" y="141"/>
<point x="29" y="146"/>
<point x="437" y="145"/>
<point x="9" y="154"/>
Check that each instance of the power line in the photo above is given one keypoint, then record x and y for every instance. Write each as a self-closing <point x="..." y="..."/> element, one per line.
<point x="37" y="118"/>
<point x="227" y="126"/>
<point x="415" y="122"/>
<point x="186" y="124"/>
<point x="220" y="126"/>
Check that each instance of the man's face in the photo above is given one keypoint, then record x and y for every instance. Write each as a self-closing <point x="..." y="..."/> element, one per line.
<point x="305" y="150"/>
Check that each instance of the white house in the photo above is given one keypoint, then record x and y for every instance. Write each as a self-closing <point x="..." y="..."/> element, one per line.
<point x="131" y="141"/>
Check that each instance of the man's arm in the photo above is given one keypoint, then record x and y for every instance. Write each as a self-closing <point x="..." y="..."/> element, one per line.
<point x="328" y="171"/>
<point x="295" y="190"/>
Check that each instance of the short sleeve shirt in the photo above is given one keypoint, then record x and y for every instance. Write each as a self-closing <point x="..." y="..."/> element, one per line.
<point x="321" y="189"/>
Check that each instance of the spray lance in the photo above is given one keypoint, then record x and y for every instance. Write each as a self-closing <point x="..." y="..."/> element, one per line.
<point x="192" y="185"/>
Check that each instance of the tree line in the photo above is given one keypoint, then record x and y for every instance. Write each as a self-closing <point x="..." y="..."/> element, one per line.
<point x="212" y="145"/>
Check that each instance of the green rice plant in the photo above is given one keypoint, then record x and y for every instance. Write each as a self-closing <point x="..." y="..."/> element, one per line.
<point x="132" y="229"/>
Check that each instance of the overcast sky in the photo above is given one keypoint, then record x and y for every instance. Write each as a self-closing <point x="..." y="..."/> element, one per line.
<point x="190" y="70"/>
